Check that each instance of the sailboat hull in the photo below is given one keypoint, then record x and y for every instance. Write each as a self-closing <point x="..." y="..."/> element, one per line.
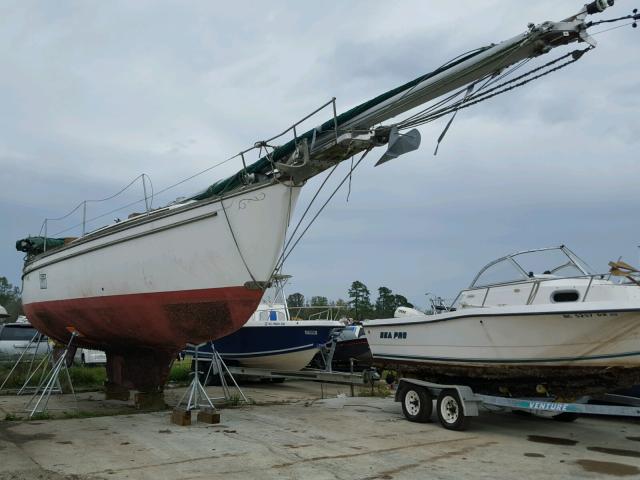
<point x="181" y="275"/>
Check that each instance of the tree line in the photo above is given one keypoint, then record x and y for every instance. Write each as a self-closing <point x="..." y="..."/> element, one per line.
<point x="359" y="306"/>
<point x="10" y="299"/>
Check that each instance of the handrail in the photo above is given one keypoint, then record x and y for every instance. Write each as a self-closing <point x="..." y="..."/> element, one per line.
<point x="573" y="259"/>
<point x="145" y="177"/>
<point x="536" y="282"/>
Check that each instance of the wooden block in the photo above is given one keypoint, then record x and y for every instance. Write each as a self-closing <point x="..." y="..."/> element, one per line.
<point x="208" y="415"/>
<point x="149" y="400"/>
<point x="116" y="392"/>
<point x="180" y="416"/>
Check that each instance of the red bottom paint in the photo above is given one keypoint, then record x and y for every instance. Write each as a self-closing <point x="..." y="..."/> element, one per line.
<point x="141" y="333"/>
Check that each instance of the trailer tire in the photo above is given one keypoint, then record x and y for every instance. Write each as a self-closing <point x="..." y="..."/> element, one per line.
<point x="417" y="403"/>
<point x="566" y="417"/>
<point x="450" y="410"/>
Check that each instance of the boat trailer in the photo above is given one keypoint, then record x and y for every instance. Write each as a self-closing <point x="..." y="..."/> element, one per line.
<point x="456" y="404"/>
<point x="311" y="374"/>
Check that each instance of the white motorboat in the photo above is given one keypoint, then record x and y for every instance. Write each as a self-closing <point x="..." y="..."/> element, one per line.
<point x="538" y="319"/>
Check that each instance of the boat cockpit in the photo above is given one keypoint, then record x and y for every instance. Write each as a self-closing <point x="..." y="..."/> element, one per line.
<point x="541" y="276"/>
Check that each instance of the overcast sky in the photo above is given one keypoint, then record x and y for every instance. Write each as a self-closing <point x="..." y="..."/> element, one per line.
<point x="94" y="93"/>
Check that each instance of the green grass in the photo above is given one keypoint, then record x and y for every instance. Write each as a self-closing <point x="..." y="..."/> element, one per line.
<point x="83" y="378"/>
<point x="87" y="376"/>
<point x="180" y="371"/>
<point x="380" y="389"/>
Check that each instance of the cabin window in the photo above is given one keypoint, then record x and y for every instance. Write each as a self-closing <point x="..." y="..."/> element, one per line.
<point x="565" y="296"/>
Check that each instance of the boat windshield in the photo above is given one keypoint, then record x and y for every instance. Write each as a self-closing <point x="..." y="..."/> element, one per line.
<point x="556" y="262"/>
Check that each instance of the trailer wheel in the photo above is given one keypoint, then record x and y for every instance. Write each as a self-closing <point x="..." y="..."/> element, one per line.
<point x="566" y="417"/>
<point x="417" y="404"/>
<point x="450" y="410"/>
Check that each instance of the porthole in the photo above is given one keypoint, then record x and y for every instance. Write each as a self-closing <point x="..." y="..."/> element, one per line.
<point x="565" y="296"/>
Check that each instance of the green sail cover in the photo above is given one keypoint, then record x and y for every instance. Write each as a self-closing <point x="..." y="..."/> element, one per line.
<point x="264" y="165"/>
<point x="35" y="245"/>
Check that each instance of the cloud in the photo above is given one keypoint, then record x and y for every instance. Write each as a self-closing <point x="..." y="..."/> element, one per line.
<point x="93" y="95"/>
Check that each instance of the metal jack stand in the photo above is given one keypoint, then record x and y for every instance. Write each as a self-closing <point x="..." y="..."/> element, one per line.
<point x="218" y="367"/>
<point x="196" y="391"/>
<point x="328" y="349"/>
<point x="51" y="381"/>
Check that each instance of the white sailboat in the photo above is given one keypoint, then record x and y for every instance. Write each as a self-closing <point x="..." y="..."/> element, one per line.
<point x="530" y="320"/>
<point x="192" y="272"/>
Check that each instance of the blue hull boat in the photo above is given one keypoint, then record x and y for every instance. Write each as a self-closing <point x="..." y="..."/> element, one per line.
<point x="277" y="345"/>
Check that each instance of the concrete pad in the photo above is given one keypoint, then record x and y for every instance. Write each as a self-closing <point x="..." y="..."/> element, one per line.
<point x="95" y="404"/>
<point x="339" y="438"/>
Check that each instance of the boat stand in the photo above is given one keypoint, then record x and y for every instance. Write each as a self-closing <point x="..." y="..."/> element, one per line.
<point x="36" y="339"/>
<point x="196" y="392"/>
<point x="327" y="351"/>
<point x="51" y="381"/>
<point x="218" y="367"/>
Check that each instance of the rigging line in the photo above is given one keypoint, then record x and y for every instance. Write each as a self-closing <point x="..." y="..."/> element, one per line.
<point x="325" y="204"/>
<point x="286" y="228"/>
<point x="235" y="240"/>
<point x="463" y="89"/>
<point x="491" y="79"/>
<point x="509" y="71"/>
<point x="197" y="174"/>
<point x="492" y="92"/>
<point x="139" y="201"/>
<point x="634" y="16"/>
<point x="122" y="190"/>
<point x="438" y="84"/>
<point x="153" y="193"/>
<point x="486" y="92"/>
<point x="101" y="200"/>
<point x="350" y="175"/>
<point x="443" y="66"/>
<point x="455" y="112"/>
<point x="437" y="104"/>
<point x="487" y="96"/>
<point x="100" y="216"/>
<point x="612" y="28"/>
<point x="398" y="102"/>
<point x="304" y="214"/>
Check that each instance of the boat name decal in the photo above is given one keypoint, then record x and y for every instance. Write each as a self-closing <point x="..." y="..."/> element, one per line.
<point x="310" y="332"/>
<point x="242" y="204"/>
<point x="394" y="335"/>
<point x="589" y="315"/>
<point x="556" y="407"/>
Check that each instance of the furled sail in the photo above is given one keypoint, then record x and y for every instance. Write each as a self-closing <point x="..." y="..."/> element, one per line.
<point x="355" y="130"/>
